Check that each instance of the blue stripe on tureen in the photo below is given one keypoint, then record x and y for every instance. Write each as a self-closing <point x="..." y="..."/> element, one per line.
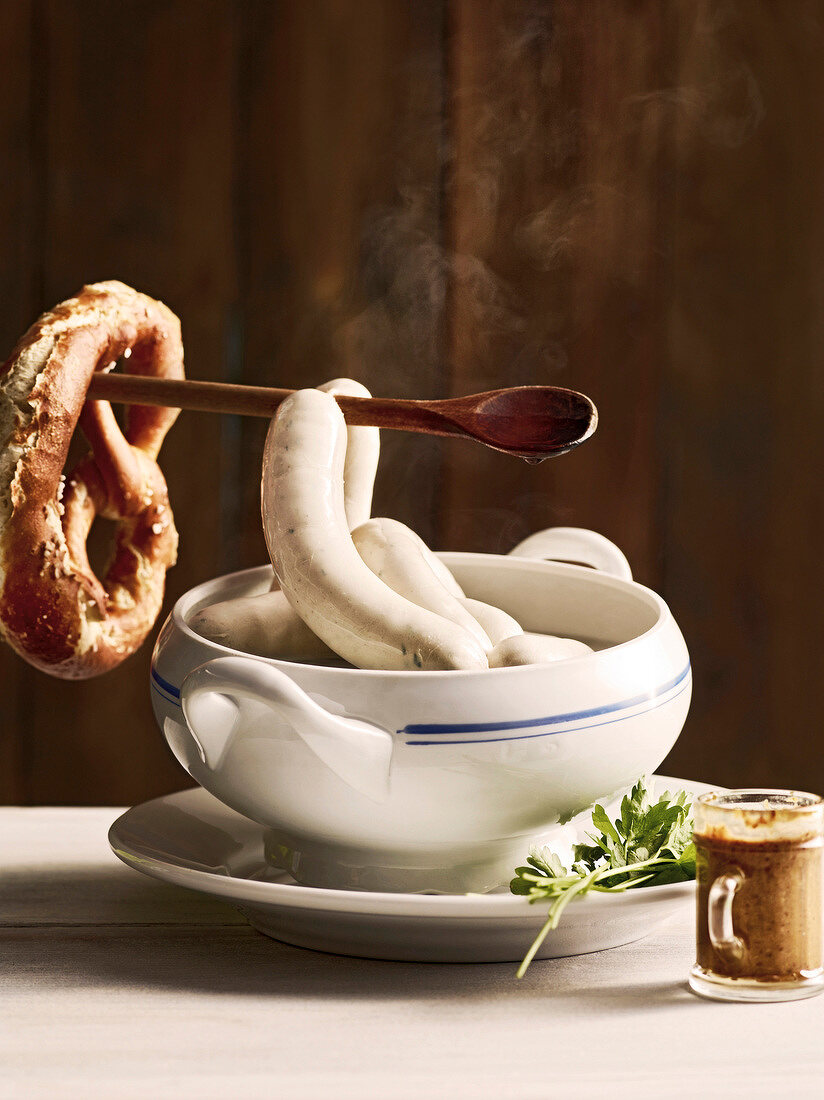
<point x="165" y="690"/>
<point x="561" y="723"/>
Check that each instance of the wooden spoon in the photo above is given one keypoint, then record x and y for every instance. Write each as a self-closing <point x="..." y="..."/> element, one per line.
<point x="532" y="422"/>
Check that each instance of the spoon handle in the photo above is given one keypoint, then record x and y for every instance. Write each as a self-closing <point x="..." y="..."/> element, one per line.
<point x="223" y="397"/>
<point x="185" y="393"/>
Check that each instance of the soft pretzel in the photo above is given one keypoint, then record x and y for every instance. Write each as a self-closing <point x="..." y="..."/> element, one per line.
<point x="53" y="609"/>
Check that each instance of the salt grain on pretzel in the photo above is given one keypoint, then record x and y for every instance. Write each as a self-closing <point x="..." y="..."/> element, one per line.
<point x="53" y="609"/>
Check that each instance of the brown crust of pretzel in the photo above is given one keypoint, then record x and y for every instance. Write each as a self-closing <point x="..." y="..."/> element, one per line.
<point x="53" y="610"/>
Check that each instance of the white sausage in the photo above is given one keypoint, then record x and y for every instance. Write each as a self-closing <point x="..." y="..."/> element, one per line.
<point x="396" y="554"/>
<point x="433" y="561"/>
<point x="497" y="624"/>
<point x="317" y="565"/>
<point x="362" y="453"/>
<point x="441" y="571"/>
<point x="435" y="564"/>
<point x="264" y="625"/>
<point x="535" y="649"/>
<point x="363" y="446"/>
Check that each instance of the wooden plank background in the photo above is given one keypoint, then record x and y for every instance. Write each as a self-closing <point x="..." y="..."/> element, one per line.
<point x="623" y="196"/>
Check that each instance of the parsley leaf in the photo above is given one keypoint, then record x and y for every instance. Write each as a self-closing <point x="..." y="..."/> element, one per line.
<point x="649" y="844"/>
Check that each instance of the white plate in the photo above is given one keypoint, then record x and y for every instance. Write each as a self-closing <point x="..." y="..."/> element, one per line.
<point x="191" y="839"/>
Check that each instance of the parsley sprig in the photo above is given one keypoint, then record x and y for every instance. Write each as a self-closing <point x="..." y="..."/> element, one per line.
<point x="650" y="844"/>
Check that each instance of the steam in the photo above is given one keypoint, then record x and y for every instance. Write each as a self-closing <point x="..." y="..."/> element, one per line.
<point x="533" y="190"/>
<point x="412" y="270"/>
<point x="725" y="111"/>
<point x="406" y="276"/>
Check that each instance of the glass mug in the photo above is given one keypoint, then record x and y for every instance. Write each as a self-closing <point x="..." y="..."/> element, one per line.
<point x="759" y="895"/>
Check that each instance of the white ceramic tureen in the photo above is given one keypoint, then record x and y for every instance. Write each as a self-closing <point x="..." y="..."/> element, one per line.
<point x="432" y="780"/>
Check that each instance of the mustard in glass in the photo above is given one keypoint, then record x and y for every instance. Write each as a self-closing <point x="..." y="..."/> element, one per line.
<point x="759" y="895"/>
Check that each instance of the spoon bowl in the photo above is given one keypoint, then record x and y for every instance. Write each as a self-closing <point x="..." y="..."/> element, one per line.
<point x="531" y="422"/>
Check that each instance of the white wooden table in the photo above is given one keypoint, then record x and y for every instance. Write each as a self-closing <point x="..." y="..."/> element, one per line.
<point x="113" y="985"/>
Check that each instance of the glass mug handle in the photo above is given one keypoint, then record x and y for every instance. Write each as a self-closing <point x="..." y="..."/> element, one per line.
<point x="719" y="915"/>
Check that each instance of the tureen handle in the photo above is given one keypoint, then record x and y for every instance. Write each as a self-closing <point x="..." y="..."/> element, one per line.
<point x="575" y="544"/>
<point x="213" y="698"/>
